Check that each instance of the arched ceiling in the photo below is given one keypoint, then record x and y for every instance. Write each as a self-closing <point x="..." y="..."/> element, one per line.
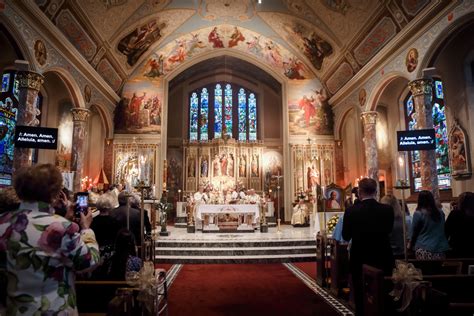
<point x="334" y="39"/>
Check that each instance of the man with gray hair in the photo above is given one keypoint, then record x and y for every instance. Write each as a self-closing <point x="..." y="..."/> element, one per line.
<point x="369" y="224"/>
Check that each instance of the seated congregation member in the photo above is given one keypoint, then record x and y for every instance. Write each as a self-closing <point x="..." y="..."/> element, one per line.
<point x="51" y="246"/>
<point x="396" y="237"/>
<point x="460" y="225"/>
<point x="428" y="238"/>
<point x="125" y="210"/>
<point x="125" y="257"/>
<point x="369" y="224"/>
<point x="300" y="212"/>
<point x="104" y="225"/>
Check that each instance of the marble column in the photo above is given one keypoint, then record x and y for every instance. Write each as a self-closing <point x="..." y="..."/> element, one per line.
<point x="80" y="117"/>
<point x="369" y="118"/>
<point x="29" y="84"/>
<point x="421" y="90"/>
<point x="339" y="157"/>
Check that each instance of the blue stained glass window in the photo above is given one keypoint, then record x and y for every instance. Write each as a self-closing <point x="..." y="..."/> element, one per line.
<point x="204" y="126"/>
<point x="193" y="117"/>
<point x="252" y="117"/>
<point x="439" y="123"/>
<point x="242" y="115"/>
<point x="5" y="82"/>
<point x="16" y="90"/>
<point x="439" y="89"/>
<point x="218" y="111"/>
<point x="228" y="110"/>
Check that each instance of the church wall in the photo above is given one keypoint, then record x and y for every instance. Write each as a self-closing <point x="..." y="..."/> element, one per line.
<point x="95" y="153"/>
<point x="399" y="64"/>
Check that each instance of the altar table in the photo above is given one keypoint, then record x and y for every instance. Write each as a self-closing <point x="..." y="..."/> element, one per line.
<point x="228" y="217"/>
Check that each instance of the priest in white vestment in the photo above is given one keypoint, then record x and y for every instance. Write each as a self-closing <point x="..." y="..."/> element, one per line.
<point x="300" y="212"/>
<point x="200" y="197"/>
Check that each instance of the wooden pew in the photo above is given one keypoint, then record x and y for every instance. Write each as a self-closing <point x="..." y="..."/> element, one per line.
<point x="321" y="262"/>
<point x="448" y="294"/>
<point x="339" y="269"/>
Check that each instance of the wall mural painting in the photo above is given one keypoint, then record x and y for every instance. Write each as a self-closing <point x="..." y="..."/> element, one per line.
<point x="223" y="36"/>
<point x="311" y="44"/>
<point x="72" y="29"/>
<point x="272" y="166"/>
<point x="140" y="109"/>
<point x="65" y="129"/>
<point x="139" y="40"/>
<point x="411" y="61"/>
<point x="174" y="176"/>
<point x="459" y="152"/>
<point x="340" y="6"/>
<point x="380" y="35"/>
<point x="308" y="110"/>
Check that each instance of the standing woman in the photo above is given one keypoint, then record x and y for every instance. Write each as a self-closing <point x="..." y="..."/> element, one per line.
<point x="43" y="250"/>
<point x="428" y="238"/>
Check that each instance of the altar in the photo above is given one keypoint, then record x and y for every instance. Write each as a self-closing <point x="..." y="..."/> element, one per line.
<point x="228" y="217"/>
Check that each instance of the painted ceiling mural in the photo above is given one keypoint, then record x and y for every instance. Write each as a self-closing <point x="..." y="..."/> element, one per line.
<point x="328" y="38"/>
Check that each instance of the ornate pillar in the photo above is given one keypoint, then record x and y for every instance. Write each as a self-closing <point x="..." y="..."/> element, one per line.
<point x="421" y="90"/>
<point x="79" y="144"/>
<point x="29" y="84"/>
<point x="369" y="118"/>
<point x="339" y="157"/>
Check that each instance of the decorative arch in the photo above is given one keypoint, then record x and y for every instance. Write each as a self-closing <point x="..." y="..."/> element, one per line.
<point x="442" y="40"/>
<point x="106" y="119"/>
<point x="340" y="122"/>
<point x="71" y="84"/>
<point x="19" y="40"/>
<point x="377" y="91"/>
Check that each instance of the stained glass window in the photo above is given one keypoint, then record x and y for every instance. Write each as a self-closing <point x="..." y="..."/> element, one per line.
<point x="242" y="115"/>
<point x="212" y="113"/>
<point x="193" y="117"/>
<point x="204" y="115"/>
<point x="218" y="111"/>
<point x="439" y="123"/>
<point x="252" y="117"/>
<point x="228" y="110"/>
<point x="5" y="82"/>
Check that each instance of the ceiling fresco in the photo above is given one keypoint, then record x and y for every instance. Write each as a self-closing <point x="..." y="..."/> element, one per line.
<point x="331" y="40"/>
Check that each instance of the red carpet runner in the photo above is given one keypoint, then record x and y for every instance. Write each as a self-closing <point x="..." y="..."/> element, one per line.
<point x="242" y="289"/>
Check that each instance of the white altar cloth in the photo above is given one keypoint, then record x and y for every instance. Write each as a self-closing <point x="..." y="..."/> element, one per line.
<point x="228" y="209"/>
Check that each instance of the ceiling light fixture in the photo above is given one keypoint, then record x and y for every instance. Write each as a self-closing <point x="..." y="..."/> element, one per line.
<point x="259" y="1"/>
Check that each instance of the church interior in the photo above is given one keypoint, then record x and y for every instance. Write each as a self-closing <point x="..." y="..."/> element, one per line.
<point x="242" y="129"/>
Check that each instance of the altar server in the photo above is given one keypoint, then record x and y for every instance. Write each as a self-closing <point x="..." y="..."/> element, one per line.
<point x="252" y="197"/>
<point x="300" y="212"/>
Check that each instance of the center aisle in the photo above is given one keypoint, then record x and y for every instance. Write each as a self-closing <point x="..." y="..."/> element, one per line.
<point x="242" y="289"/>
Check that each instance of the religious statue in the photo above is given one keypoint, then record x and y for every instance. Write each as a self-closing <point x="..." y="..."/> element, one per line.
<point x="230" y="166"/>
<point x="204" y="167"/>
<point x="312" y="177"/>
<point x="242" y="167"/>
<point x="216" y="166"/>
<point x="254" y="166"/>
<point x="191" y="168"/>
<point x="224" y="165"/>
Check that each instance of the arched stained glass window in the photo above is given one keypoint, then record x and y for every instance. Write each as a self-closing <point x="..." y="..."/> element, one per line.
<point x="214" y="112"/>
<point x="252" y="117"/>
<point x="204" y="126"/>
<point x="242" y="115"/>
<point x="439" y="123"/>
<point x="218" y="111"/>
<point x="228" y="110"/>
<point x="193" y="117"/>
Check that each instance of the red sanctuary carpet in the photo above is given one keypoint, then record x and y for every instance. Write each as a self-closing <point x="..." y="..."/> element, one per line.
<point x="307" y="267"/>
<point x="242" y="289"/>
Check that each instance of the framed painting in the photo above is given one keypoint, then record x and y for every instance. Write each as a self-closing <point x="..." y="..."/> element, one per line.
<point x="334" y="198"/>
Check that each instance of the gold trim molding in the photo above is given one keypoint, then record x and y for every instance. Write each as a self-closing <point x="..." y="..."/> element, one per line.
<point x="29" y="80"/>
<point x="369" y="117"/>
<point x="80" y="114"/>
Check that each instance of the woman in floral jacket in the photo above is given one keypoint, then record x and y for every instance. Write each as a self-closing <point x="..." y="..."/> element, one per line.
<point x="43" y="250"/>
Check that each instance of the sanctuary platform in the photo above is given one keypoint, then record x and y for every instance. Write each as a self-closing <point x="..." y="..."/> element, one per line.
<point x="289" y="245"/>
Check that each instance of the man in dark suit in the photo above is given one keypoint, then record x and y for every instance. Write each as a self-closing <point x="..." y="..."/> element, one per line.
<point x="369" y="224"/>
<point x="120" y="215"/>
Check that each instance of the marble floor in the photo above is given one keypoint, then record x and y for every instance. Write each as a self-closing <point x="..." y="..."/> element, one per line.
<point x="287" y="233"/>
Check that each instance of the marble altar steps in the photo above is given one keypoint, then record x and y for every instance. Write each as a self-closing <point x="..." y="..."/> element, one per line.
<point x="192" y="251"/>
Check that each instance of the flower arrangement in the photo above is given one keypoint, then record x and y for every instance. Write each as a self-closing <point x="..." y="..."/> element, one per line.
<point x="332" y="223"/>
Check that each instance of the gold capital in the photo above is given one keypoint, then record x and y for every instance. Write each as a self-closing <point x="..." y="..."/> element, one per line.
<point x="80" y="114"/>
<point x="29" y="80"/>
<point x="421" y="86"/>
<point x="369" y="117"/>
